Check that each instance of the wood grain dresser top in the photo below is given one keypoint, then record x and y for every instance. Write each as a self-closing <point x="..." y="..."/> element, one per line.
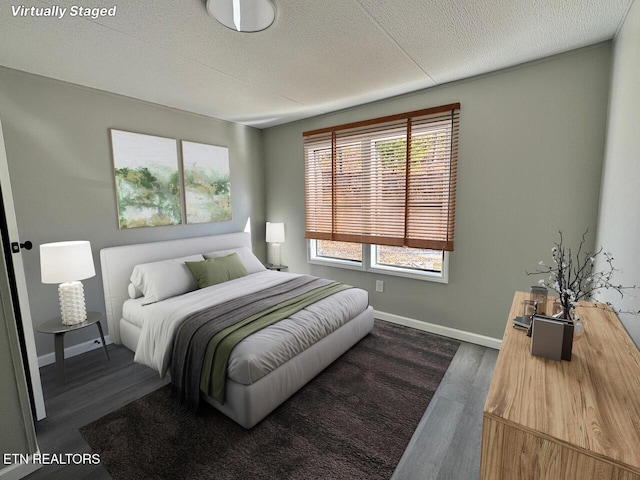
<point x="591" y="403"/>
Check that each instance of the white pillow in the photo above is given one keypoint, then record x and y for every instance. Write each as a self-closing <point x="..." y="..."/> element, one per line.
<point x="250" y="261"/>
<point x="134" y="292"/>
<point x="164" y="279"/>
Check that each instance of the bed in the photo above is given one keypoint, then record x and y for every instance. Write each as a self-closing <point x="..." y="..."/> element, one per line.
<point x="265" y="368"/>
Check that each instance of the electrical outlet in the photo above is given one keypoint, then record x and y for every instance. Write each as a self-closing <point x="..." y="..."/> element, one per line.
<point x="379" y="286"/>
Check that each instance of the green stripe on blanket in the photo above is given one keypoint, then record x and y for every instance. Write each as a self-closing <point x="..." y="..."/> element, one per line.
<point x="214" y="368"/>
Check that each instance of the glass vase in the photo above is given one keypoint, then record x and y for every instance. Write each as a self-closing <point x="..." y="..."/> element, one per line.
<point x="578" y="329"/>
<point x="569" y="313"/>
<point x="578" y="326"/>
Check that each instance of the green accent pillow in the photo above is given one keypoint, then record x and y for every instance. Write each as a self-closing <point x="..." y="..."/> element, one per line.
<point x="217" y="270"/>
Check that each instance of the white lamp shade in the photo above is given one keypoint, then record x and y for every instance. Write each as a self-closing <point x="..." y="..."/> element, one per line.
<point x="275" y="232"/>
<point x="66" y="261"/>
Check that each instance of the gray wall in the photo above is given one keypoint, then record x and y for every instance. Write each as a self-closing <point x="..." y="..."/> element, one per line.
<point x="531" y="149"/>
<point x="619" y="218"/>
<point x="57" y="141"/>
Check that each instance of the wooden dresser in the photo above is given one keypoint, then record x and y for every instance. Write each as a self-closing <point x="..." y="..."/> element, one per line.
<point x="564" y="420"/>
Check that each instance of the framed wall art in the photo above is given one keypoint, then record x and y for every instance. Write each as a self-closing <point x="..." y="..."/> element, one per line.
<point x="207" y="184"/>
<point x="147" y="180"/>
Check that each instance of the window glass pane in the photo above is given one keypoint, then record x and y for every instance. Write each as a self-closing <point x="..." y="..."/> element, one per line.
<point x="413" y="258"/>
<point x="340" y="250"/>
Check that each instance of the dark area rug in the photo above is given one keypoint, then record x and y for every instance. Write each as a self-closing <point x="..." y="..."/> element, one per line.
<point x="353" y="421"/>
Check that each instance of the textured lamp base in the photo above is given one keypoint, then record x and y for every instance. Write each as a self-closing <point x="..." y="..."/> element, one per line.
<point x="72" y="307"/>
<point x="274" y="254"/>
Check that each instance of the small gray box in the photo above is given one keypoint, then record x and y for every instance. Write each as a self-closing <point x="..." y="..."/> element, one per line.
<point x="547" y="337"/>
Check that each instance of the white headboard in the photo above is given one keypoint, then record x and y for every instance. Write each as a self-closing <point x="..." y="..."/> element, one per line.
<point x="117" y="264"/>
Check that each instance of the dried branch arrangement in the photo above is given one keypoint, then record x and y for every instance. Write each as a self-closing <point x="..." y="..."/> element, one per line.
<point x="573" y="278"/>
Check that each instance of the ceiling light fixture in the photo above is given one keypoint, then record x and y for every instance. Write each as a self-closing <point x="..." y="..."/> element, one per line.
<point x="243" y="15"/>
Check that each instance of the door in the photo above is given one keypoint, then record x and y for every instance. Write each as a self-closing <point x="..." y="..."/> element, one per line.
<point x="18" y="283"/>
<point x="16" y="421"/>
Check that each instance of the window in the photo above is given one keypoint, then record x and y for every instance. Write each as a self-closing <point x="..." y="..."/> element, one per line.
<point x="409" y="262"/>
<point x="345" y="251"/>
<point x="388" y="183"/>
<point x="417" y="259"/>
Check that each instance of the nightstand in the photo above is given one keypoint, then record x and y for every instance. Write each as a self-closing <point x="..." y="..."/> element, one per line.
<point x="55" y="327"/>
<point x="279" y="268"/>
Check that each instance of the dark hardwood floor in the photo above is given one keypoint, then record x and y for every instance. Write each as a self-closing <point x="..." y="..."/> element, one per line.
<point x="93" y="388"/>
<point x="446" y="444"/>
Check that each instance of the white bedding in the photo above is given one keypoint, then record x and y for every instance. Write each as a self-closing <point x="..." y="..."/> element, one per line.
<point x="258" y="354"/>
<point x="266" y="350"/>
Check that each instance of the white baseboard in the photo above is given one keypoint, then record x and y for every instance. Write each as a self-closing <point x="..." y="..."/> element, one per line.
<point x="470" y="337"/>
<point x="72" y="351"/>
<point x="440" y="330"/>
<point x="19" y="470"/>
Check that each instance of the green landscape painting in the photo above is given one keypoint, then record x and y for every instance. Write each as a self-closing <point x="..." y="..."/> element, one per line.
<point x="207" y="187"/>
<point x="147" y="180"/>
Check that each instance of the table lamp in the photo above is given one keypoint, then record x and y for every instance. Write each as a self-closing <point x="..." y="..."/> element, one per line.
<point x="275" y="236"/>
<point x="67" y="263"/>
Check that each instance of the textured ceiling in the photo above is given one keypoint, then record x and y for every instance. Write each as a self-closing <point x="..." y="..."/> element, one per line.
<point x="318" y="56"/>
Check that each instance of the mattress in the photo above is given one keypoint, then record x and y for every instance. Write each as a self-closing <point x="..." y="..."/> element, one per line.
<point x="266" y="350"/>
